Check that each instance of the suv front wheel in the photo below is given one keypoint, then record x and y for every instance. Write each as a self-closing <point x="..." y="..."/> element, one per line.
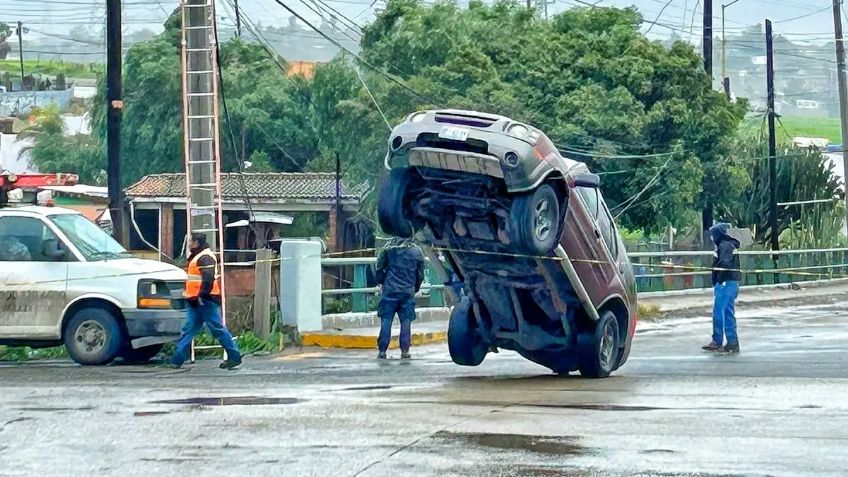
<point x="598" y="348"/>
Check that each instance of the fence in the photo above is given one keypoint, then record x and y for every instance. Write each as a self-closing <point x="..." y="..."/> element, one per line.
<point x="654" y="271"/>
<point x="22" y="102"/>
<point x="360" y="291"/>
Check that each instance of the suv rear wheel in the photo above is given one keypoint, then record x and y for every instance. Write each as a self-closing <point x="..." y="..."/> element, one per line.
<point x="534" y="221"/>
<point x="93" y="336"/>
<point x="598" y="349"/>
<point x="394" y="211"/>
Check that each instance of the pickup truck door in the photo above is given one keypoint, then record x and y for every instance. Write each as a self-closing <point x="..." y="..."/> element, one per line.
<point x="33" y="281"/>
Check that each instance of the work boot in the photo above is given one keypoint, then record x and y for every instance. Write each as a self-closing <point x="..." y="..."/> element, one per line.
<point x="381" y="355"/>
<point x="230" y="364"/>
<point x="405" y="355"/>
<point x="713" y="346"/>
<point x="731" y="348"/>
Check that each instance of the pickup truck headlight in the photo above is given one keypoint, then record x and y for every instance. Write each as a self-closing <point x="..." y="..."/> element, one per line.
<point x="153" y="294"/>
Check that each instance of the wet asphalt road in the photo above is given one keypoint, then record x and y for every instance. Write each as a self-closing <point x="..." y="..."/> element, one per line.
<point x="778" y="408"/>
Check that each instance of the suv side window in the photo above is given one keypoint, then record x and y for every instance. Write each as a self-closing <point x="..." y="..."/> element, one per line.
<point x="27" y="239"/>
<point x="608" y="232"/>
<point x="590" y="198"/>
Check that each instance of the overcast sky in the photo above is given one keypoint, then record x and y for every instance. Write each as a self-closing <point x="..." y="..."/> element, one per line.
<point x="806" y="19"/>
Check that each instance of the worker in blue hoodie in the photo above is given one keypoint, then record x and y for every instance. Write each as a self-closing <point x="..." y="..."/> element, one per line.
<point x="400" y="272"/>
<point x="725" y="279"/>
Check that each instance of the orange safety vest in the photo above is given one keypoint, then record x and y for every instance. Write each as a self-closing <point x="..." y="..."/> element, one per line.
<point x="195" y="278"/>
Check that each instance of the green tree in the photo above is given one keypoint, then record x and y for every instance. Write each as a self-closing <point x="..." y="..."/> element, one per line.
<point x="803" y="174"/>
<point x="5" y="33"/>
<point x="53" y="151"/>
<point x="589" y="78"/>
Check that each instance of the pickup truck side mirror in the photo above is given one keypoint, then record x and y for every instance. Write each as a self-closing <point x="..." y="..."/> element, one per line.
<point x="586" y="180"/>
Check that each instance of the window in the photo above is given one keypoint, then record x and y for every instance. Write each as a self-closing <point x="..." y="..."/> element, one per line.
<point x="91" y="240"/>
<point x="590" y="198"/>
<point x="27" y="239"/>
<point x="606" y="224"/>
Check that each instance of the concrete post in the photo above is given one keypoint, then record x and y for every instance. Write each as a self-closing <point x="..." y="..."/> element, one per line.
<point x="300" y="284"/>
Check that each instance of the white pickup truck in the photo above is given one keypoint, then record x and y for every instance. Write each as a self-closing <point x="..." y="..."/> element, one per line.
<point x="64" y="280"/>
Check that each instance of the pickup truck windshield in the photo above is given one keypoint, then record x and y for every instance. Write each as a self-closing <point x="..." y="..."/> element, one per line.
<point x="92" y="242"/>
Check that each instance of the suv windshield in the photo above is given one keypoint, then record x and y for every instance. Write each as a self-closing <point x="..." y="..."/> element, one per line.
<point x="92" y="242"/>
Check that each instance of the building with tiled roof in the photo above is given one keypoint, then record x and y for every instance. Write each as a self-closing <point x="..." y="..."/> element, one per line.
<point x="263" y="188"/>
<point x="159" y="204"/>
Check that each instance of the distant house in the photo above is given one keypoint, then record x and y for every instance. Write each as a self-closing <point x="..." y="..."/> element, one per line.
<point x="158" y="203"/>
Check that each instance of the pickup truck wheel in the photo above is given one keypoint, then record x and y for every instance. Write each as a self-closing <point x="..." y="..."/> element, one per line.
<point x="140" y="355"/>
<point x="598" y="349"/>
<point x="465" y="343"/>
<point x="93" y="336"/>
<point x="393" y="209"/>
<point x="534" y="221"/>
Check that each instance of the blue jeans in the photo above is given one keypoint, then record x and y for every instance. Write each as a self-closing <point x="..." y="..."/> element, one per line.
<point x="724" y="312"/>
<point x="404" y="306"/>
<point x="209" y="313"/>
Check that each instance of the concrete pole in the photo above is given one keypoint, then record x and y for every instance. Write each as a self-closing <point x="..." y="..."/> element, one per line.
<point x="843" y="92"/>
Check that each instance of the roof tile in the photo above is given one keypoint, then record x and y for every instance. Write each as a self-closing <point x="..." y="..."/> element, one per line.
<point x="272" y="186"/>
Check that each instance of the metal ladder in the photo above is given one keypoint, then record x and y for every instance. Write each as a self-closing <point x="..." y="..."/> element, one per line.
<point x="204" y="208"/>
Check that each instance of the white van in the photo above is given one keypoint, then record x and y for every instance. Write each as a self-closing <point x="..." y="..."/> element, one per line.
<point x="64" y="280"/>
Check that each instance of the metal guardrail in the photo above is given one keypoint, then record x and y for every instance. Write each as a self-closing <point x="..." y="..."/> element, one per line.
<point x="654" y="271"/>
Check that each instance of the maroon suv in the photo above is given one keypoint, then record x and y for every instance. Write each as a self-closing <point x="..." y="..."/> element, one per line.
<point x="543" y="269"/>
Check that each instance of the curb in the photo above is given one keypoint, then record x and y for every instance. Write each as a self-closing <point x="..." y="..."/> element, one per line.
<point x="327" y="340"/>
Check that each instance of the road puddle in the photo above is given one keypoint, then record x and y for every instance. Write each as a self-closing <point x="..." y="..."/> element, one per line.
<point x="550" y="445"/>
<point x="232" y="401"/>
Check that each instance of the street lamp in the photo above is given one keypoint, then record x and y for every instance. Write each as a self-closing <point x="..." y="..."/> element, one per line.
<point x="723" y="43"/>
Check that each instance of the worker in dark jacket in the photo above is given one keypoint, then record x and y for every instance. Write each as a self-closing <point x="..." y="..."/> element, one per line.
<point x="203" y="293"/>
<point x="725" y="278"/>
<point x="400" y="272"/>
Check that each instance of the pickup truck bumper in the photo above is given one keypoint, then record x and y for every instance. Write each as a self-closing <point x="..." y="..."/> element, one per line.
<point x="142" y="323"/>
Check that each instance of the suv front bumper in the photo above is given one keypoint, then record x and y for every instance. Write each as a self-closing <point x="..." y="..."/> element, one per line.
<point x="142" y="323"/>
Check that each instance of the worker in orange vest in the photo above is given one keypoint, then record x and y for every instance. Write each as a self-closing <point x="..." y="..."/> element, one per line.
<point x="203" y="293"/>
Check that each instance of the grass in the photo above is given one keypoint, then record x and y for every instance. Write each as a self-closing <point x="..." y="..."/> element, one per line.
<point x="25" y="353"/>
<point x="51" y="68"/>
<point x="794" y="126"/>
<point x="647" y="312"/>
<point x="789" y="127"/>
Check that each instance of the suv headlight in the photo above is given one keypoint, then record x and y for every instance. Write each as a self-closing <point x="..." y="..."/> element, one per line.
<point x="153" y="294"/>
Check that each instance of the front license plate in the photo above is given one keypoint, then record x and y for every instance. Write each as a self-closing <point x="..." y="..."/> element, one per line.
<point x="453" y="133"/>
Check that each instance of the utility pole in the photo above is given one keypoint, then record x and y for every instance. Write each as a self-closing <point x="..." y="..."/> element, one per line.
<point x="725" y="80"/>
<point x="772" y="142"/>
<point x="21" y="50"/>
<point x="707" y="211"/>
<point x="238" y="18"/>
<point x="114" y="105"/>
<point x="200" y="120"/>
<point x="708" y="38"/>
<point x="339" y="228"/>
<point x="843" y="91"/>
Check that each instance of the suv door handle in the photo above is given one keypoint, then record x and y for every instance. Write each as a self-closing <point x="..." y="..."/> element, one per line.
<point x="597" y="233"/>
